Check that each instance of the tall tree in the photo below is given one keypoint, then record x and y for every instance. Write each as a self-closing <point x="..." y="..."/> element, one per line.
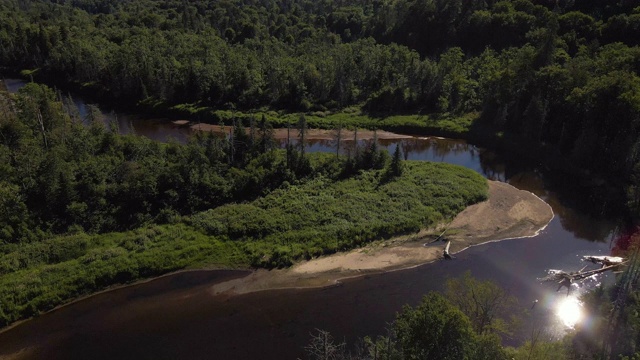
<point x="435" y="329"/>
<point x="337" y="138"/>
<point x="265" y="135"/>
<point x="302" y="134"/>
<point x="395" y="166"/>
<point x="488" y="306"/>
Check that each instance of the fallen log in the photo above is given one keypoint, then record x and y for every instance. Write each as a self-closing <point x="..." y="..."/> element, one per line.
<point x="604" y="260"/>
<point x="446" y="254"/>
<point x="565" y="279"/>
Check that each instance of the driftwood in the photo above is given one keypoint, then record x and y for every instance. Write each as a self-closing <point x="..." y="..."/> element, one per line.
<point x="438" y="238"/>
<point x="446" y="254"/>
<point x="604" y="260"/>
<point x="567" y="278"/>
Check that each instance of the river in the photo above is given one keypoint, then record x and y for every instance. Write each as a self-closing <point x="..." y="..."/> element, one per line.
<point x="177" y="316"/>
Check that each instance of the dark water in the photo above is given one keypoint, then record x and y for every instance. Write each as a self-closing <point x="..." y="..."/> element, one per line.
<point x="177" y="317"/>
<point x="153" y="128"/>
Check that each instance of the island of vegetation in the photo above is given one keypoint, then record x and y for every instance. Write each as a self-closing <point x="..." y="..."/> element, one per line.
<point x="507" y="213"/>
<point x="84" y="208"/>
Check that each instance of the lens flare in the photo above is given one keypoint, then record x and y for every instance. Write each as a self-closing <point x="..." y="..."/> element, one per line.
<point x="569" y="310"/>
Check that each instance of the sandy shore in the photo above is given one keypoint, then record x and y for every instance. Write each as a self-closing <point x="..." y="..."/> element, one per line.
<point x="508" y="213"/>
<point x="312" y="134"/>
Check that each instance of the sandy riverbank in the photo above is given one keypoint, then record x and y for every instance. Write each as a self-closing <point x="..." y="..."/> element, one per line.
<point x="508" y="213"/>
<point x="312" y="134"/>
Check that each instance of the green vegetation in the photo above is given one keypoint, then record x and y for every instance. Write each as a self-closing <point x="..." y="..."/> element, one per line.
<point x="323" y="216"/>
<point x="557" y="79"/>
<point x="85" y="208"/>
<point x="438" y="124"/>
<point x="461" y="324"/>
<point x="437" y="328"/>
<point x="38" y="276"/>
<point x="434" y="329"/>
<point x="549" y="78"/>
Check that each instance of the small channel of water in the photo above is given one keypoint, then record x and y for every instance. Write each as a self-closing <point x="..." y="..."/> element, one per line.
<point x="177" y="317"/>
<point x="153" y="128"/>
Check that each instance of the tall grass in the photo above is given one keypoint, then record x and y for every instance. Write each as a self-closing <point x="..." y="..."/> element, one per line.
<point x="323" y="216"/>
<point x="299" y="221"/>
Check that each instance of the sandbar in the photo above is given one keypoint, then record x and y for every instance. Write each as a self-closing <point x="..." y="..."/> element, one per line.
<point x="508" y="213"/>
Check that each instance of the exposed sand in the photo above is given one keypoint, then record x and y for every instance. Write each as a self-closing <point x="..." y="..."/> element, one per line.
<point x="312" y="134"/>
<point x="508" y="213"/>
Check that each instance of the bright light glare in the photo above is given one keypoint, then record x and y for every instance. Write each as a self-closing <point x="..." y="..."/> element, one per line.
<point x="569" y="310"/>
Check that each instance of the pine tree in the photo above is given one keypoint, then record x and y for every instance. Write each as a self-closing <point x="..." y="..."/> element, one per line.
<point x="265" y="135"/>
<point x="337" y="137"/>
<point x="302" y="133"/>
<point x="396" y="167"/>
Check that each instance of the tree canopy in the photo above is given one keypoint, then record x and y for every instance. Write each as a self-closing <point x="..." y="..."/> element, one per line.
<point x="558" y="74"/>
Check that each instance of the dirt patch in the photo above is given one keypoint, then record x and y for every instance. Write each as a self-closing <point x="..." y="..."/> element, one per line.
<point x="508" y="213"/>
<point x="312" y="134"/>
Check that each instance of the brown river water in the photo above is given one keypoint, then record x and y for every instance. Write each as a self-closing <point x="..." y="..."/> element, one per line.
<point x="178" y="317"/>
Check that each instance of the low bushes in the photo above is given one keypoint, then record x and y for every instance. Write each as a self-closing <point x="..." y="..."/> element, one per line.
<point x="323" y="216"/>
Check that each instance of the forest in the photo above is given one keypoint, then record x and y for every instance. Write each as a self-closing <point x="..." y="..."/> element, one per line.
<point x="560" y="76"/>
<point x="83" y="208"/>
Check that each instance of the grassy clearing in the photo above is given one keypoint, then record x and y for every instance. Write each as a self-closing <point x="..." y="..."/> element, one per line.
<point x="295" y="222"/>
<point x="37" y="277"/>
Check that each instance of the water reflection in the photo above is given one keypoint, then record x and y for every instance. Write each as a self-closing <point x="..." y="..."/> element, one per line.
<point x="570" y="311"/>
<point x="158" y="129"/>
<point x="564" y="309"/>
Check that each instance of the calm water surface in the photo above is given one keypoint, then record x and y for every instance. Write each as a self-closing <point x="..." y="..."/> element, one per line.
<point x="157" y="129"/>
<point x="177" y="317"/>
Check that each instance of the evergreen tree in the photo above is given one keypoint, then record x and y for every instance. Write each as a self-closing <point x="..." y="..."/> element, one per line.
<point x="395" y="166"/>
<point x="302" y="134"/>
<point x="265" y="134"/>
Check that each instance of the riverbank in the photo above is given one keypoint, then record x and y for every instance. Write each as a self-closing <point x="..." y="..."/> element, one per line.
<point x="605" y="193"/>
<point x="507" y="214"/>
<point x="311" y="134"/>
<point x="318" y="216"/>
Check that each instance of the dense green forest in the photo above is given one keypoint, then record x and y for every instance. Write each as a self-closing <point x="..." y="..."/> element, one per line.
<point x="562" y="75"/>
